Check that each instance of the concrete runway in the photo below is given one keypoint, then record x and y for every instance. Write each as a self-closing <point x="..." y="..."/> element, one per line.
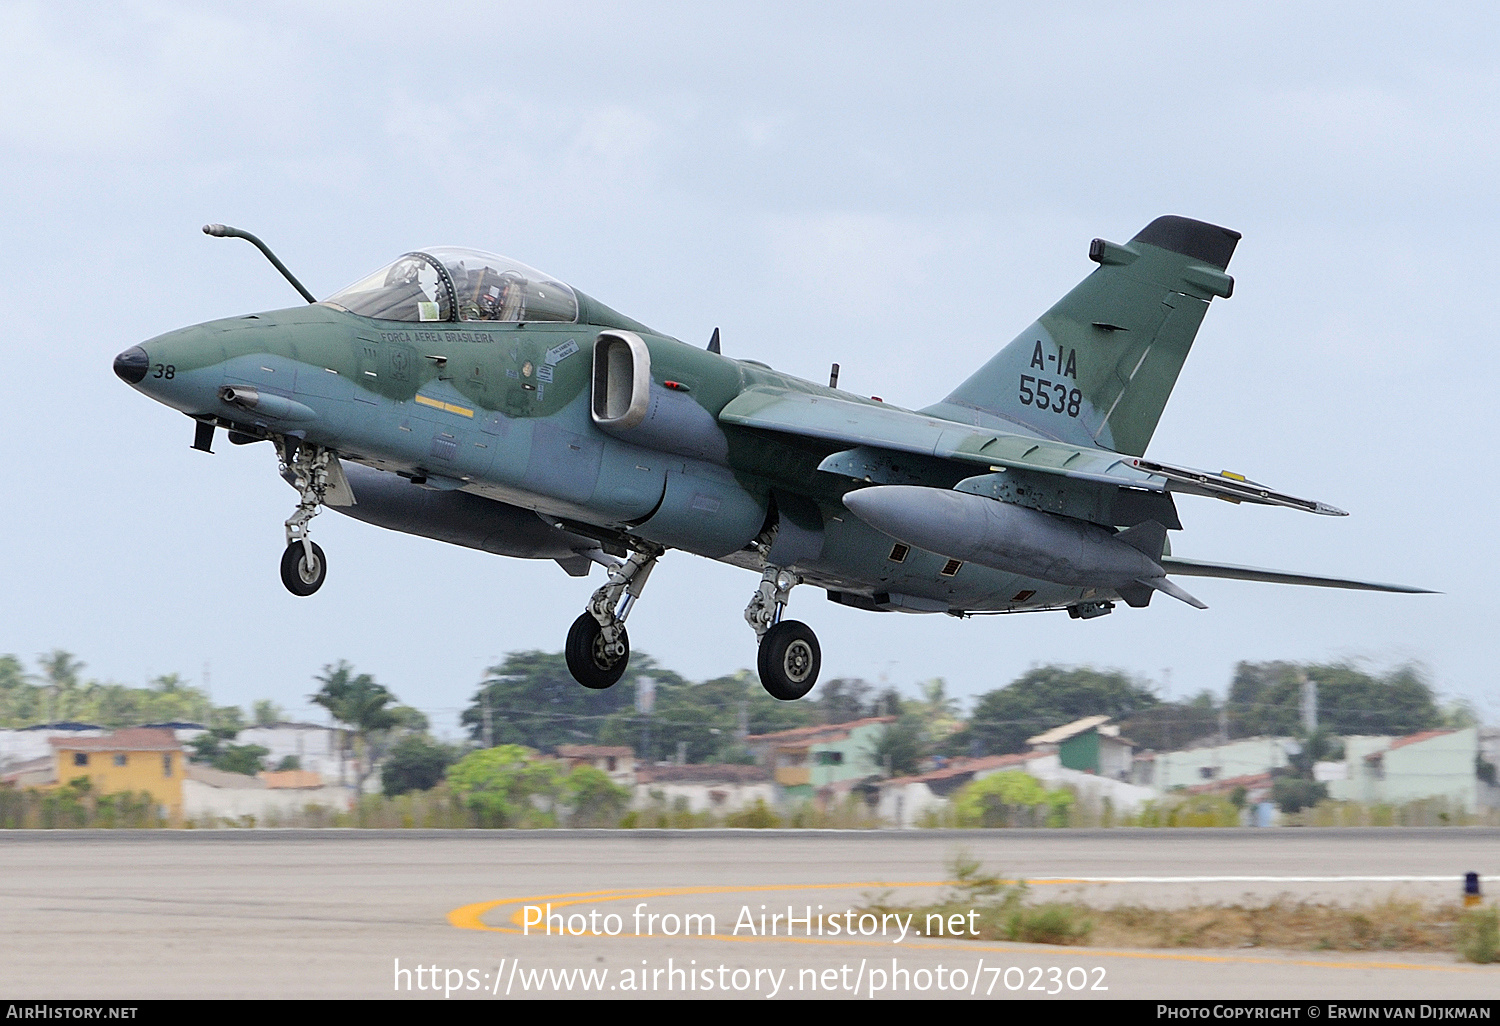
<point x="368" y="914"/>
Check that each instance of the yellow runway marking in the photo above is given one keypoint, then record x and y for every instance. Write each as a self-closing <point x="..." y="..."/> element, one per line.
<point x="471" y="917"/>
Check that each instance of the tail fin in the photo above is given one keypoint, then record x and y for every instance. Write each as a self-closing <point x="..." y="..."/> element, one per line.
<point x="1097" y="368"/>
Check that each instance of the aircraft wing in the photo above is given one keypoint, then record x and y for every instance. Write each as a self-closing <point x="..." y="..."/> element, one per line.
<point x="1199" y="568"/>
<point x="851" y="422"/>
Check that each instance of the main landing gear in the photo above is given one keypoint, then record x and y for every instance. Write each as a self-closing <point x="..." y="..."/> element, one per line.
<point x="303" y="565"/>
<point x="598" y="648"/>
<point x="789" y="658"/>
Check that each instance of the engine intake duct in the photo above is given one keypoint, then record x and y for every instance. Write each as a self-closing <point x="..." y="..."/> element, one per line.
<point x="628" y="404"/>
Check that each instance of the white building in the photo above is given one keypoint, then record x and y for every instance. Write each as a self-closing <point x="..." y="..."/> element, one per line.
<point x="26" y="744"/>
<point x="315" y="747"/>
<point x="712" y="788"/>
<point x="1430" y="764"/>
<point x="213" y="797"/>
<point x="906" y="801"/>
<point x="1191" y="767"/>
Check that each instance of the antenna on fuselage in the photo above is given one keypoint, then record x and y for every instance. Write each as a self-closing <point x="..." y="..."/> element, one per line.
<point x="224" y="231"/>
<point x="713" y="343"/>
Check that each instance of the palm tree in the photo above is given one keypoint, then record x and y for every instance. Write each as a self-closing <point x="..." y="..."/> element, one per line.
<point x="358" y="703"/>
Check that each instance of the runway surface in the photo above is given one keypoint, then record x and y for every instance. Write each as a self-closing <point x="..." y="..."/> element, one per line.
<point x="441" y="914"/>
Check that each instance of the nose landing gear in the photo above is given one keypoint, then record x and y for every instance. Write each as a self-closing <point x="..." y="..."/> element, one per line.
<point x="598" y="648"/>
<point x="789" y="657"/>
<point x="303" y="565"/>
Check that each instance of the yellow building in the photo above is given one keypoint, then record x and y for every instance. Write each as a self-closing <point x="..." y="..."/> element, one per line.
<point x="132" y="759"/>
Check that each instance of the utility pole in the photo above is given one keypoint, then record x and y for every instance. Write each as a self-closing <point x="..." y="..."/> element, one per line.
<point x="645" y="701"/>
<point x="1309" y="704"/>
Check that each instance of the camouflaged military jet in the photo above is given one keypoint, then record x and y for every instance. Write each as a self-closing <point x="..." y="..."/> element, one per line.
<point x="469" y="398"/>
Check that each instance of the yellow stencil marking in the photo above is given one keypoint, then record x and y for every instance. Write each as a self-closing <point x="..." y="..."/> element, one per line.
<point x="438" y="404"/>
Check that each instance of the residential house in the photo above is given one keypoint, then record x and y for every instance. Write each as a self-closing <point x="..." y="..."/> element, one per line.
<point x="618" y="762"/>
<point x="806" y="760"/>
<point x="703" y="787"/>
<point x="1090" y="745"/>
<point x="1194" y="766"/>
<point x="906" y="801"/>
<point x="131" y="759"/>
<point x="1429" y="764"/>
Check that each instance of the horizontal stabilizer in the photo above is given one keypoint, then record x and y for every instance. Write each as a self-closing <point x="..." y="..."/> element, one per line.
<point x="1197" y="568"/>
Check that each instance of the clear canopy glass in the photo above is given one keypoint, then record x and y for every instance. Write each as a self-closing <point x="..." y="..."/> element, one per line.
<point x="453" y="284"/>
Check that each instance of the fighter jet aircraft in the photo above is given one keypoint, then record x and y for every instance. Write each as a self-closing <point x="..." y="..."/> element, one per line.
<point x="469" y="398"/>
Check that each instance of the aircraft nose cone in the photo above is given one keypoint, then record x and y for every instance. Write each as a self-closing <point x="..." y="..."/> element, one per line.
<point x="131" y="365"/>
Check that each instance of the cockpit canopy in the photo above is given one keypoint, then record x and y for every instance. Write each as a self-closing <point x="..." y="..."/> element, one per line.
<point x="453" y="284"/>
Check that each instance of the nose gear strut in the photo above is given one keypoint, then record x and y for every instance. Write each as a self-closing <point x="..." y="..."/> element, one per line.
<point x="598" y="647"/>
<point x="303" y="565"/>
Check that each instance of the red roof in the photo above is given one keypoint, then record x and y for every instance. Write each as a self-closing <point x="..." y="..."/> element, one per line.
<point x="703" y="773"/>
<point x="594" y="752"/>
<point x="1412" y="739"/>
<point x="1250" y="782"/>
<point x="962" y="765"/>
<point x="820" y="732"/>
<point x="127" y="739"/>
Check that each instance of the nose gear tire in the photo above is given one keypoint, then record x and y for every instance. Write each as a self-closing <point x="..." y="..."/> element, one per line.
<point x="789" y="660"/>
<point x="588" y="661"/>
<point x="299" y="577"/>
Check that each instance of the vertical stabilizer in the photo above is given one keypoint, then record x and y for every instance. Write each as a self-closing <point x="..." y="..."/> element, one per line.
<point x="1098" y="367"/>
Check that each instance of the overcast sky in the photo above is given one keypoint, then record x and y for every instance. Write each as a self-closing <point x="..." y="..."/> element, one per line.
<point x="792" y="176"/>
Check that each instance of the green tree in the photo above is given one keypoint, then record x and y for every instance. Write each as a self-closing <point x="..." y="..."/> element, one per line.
<point x="844" y="699"/>
<point x="937" y="709"/>
<point x="1265" y="699"/>
<point x="360" y="704"/>
<point x="213" y="748"/>
<point x="60" y="672"/>
<point x="593" y="798"/>
<point x="266" y="713"/>
<point x="504" y="786"/>
<point x="1293" y="794"/>
<point x="1043" y="698"/>
<point x="1173" y="726"/>
<point x="704" y="720"/>
<point x="1010" y="798"/>
<point x="20" y="700"/>
<point x="900" y="747"/>
<point x="415" y="763"/>
<point x="532" y="700"/>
